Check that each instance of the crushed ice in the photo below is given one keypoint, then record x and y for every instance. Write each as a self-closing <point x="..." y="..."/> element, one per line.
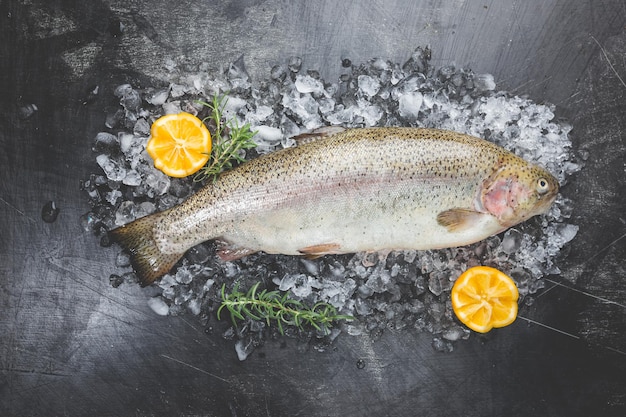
<point x="388" y="291"/>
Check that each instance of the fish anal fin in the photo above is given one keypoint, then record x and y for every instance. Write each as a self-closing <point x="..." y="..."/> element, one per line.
<point x="228" y="252"/>
<point x="458" y="219"/>
<point x="317" y="134"/>
<point x="315" y="251"/>
<point x="145" y="256"/>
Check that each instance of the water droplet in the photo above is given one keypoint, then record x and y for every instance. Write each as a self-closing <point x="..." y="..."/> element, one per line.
<point x="295" y="63"/>
<point x="115" y="280"/>
<point x="49" y="212"/>
<point x="27" y="111"/>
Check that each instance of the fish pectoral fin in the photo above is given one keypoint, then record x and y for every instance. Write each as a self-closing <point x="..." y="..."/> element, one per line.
<point x="228" y="252"/>
<point x="316" y="251"/>
<point x="458" y="220"/>
<point x="317" y="134"/>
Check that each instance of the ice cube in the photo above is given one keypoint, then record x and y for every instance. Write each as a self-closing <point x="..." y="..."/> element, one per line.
<point x="125" y="213"/>
<point x="169" y="292"/>
<point x="409" y="105"/>
<point x="311" y="266"/>
<point x="126" y="140"/>
<point x="295" y="63"/>
<point x="104" y="142"/>
<point x="167" y="281"/>
<point x="132" y="178"/>
<point x="270" y="135"/>
<point x="566" y="232"/>
<point x="484" y="82"/>
<point x="195" y="306"/>
<point x="278" y="73"/>
<point x="341" y="115"/>
<point x="230" y="269"/>
<point x="237" y="70"/>
<point x="302" y="286"/>
<point x="206" y="287"/>
<point x="142" y="127"/>
<point x="123" y="259"/>
<point x="171" y="107"/>
<point x="157" y="97"/>
<point x="407" y="85"/>
<point x="368" y="85"/>
<point x="307" y="84"/>
<point x="260" y="115"/>
<point x="233" y="106"/>
<point x="112" y="196"/>
<point x="183" y="275"/>
<point x="326" y="105"/>
<point x="455" y="333"/>
<point x="131" y="101"/>
<point x="244" y="348"/>
<point x="130" y="278"/>
<point x="362" y="307"/>
<point x="511" y="241"/>
<point x="122" y="90"/>
<point x="158" y="182"/>
<point x="446" y="72"/>
<point x="112" y="167"/>
<point x="144" y="208"/>
<point x="306" y="108"/>
<point x="379" y="282"/>
<point x="184" y="294"/>
<point x="435" y="283"/>
<point x="371" y="115"/>
<point x="177" y="90"/>
<point x="159" y="306"/>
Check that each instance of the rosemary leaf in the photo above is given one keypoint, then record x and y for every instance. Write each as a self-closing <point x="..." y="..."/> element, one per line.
<point x="271" y="306"/>
<point x="229" y="139"/>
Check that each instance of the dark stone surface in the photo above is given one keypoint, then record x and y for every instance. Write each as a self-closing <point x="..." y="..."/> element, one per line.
<point x="70" y="344"/>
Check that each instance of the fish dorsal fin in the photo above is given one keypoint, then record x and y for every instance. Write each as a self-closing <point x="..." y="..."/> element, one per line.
<point x="458" y="219"/>
<point x="317" y="134"/>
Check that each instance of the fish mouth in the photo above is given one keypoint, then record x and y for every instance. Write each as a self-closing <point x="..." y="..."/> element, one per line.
<point x="541" y="206"/>
<point x="545" y="202"/>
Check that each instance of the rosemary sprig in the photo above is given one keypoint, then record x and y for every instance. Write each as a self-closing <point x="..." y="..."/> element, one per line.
<point x="271" y="306"/>
<point x="228" y="140"/>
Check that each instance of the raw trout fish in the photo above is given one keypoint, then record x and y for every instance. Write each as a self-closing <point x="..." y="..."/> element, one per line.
<point x="348" y="191"/>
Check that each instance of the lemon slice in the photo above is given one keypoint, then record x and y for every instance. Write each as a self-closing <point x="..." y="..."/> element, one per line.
<point x="179" y="144"/>
<point x="484" y="298"/>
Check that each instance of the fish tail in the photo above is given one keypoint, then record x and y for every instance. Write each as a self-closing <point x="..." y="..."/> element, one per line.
<point x="145" y="256"/>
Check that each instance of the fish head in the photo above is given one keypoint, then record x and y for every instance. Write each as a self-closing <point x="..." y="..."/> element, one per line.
<point x="518" y="191"/>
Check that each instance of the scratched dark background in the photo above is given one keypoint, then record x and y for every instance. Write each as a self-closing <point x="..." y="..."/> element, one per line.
<point x="71" y="345"/>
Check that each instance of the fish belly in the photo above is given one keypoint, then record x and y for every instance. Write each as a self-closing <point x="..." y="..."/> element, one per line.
<point x="361" y="220"/>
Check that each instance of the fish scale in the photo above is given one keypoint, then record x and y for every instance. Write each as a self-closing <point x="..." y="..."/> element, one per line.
<point x="348" y="191"/>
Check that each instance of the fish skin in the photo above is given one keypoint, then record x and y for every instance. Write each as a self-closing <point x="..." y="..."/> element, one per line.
<point x="356" y="190"/>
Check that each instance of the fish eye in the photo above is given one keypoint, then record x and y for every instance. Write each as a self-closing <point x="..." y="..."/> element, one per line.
<point x="543" y="186"/>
